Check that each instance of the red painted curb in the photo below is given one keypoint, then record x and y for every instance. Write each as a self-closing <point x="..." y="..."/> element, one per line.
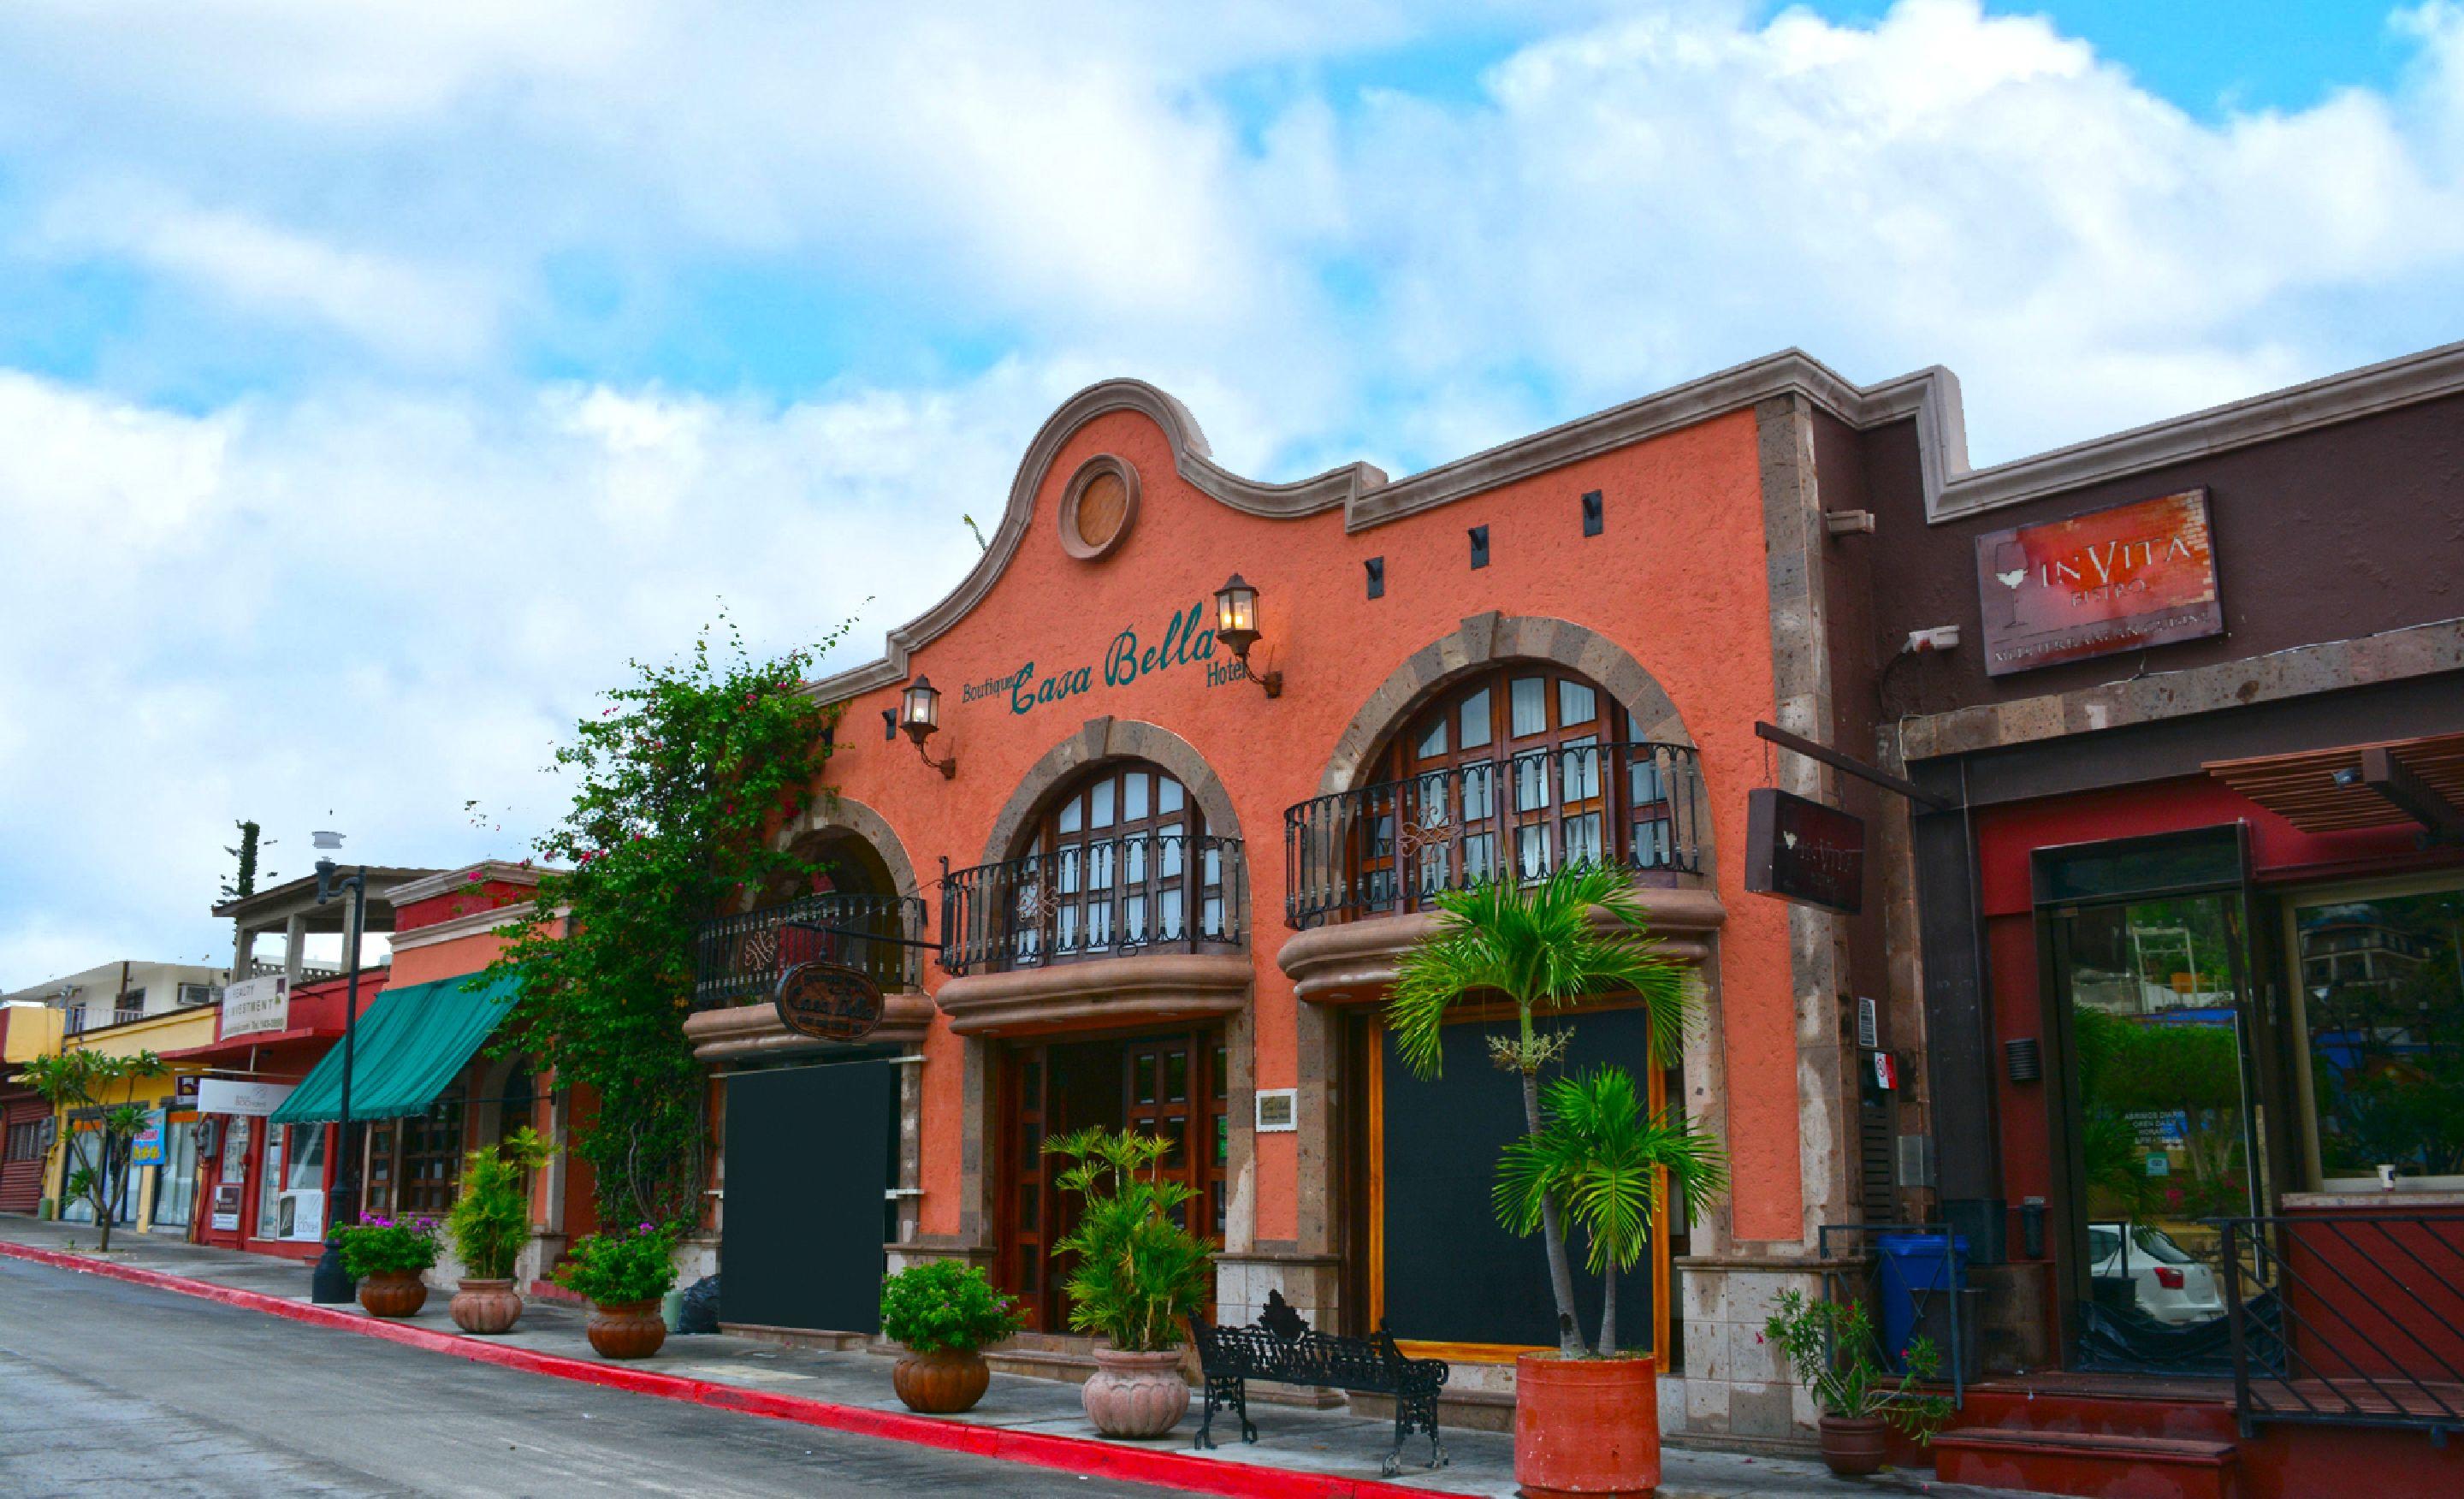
<point x="1180" y="1470"/>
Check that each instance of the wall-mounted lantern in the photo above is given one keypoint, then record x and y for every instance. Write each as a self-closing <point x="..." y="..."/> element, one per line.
<point x="919" y="713"/>
<point x="1236" y="624"/>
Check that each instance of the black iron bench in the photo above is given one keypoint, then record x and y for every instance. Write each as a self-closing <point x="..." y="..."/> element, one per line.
<point x="1283" y="1348"/>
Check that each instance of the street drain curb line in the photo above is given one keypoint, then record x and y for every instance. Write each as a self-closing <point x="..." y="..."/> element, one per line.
<point x="1180" y="1470"/>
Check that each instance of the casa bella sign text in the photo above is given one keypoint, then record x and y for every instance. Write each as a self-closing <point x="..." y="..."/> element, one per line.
<point x="1187" y="638"/>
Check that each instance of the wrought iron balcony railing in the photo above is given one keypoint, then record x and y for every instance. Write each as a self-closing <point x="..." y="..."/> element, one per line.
<point x="741" y="957"/>
<point x="1100" y="897"/>
<point x="1392" y="847"/>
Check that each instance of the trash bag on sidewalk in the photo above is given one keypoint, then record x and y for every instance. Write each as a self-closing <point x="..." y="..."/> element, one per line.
<point x="701" y="1307"/>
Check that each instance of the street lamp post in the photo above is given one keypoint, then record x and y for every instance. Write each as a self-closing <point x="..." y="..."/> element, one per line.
<point x="331" y="1283"/>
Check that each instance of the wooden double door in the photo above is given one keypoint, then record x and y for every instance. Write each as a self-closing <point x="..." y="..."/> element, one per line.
<point x="1175" y="1085"/>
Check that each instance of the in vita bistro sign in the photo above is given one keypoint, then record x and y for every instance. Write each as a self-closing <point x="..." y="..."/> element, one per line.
<point x="2123" y="579"/>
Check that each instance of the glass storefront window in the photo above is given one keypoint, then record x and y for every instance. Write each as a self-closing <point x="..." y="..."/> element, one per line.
<point x="2380" y="1015"/>
<point x="269" y="1187"/>
<point x="85" y="1152"/>
<point x="175" y="1180"/>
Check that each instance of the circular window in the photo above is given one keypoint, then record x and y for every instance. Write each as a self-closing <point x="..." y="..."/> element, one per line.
<point x="1098" y="506"/>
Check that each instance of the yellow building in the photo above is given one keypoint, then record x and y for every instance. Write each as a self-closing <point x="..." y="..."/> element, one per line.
<point x="28" y="1028"/>
<point x="161" y="1193"/>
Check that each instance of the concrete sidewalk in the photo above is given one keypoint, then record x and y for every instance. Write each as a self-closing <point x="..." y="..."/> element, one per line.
<point x="1322" y="1451"/>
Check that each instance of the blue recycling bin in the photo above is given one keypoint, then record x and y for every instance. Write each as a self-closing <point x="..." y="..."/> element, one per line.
<point x="1917" y="1269"/>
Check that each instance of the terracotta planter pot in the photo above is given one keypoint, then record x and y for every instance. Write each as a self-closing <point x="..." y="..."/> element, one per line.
<point x="626" y="1328"/>
<point x="1136" y="1394"/>
<point x="942" y="1382"/>
<point x="395" y="1293"/>
<point x="1855" y="1447"/>
<point x="1586" y="1426"/>
<point x="486" y="1306"/>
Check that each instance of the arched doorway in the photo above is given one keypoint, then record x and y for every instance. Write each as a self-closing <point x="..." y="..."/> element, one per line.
<point x="1116" y="864"/>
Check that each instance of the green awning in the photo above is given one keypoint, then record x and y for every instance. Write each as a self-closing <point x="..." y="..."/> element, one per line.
<point x="410" y="1044"/>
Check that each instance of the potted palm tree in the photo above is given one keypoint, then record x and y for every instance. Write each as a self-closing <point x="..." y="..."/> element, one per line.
<point x="489" y="1224"/>
<point x="1139" y="1276"/>
<point x="1833" y="1347"/>
<point x="945" y="1313"/>
<point x="1592" y="1158"/>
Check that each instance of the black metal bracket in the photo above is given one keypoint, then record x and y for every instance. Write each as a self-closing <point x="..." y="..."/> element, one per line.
<point x="1847" y="765"/>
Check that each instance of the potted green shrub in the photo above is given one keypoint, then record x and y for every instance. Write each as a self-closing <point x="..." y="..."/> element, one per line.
<point x="387" y="1256"/>
<point x="1139" y="1276"/>
<point x="489" y="1224"/>
<point x="1592" y="1158"/>
<point x="623" y="1274"/>
<point x="945" y="1313"/>
<point x="1836" y="1356"/>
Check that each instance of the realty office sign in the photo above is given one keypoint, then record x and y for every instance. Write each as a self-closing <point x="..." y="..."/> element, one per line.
<point x="257" y="1006"/>
<point x="2121" y="579"/>
<point x="226" y="1095"/>
<point x="1805" y="851"/>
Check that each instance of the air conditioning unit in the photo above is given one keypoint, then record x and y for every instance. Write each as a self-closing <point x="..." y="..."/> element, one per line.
<point x="195" y="994"/>
<point x="299" y="1214"/>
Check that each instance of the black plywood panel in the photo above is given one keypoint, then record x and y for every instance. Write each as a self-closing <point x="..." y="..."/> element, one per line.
<point x="809" y="1153"/>
<point x="1452" y="1273"/>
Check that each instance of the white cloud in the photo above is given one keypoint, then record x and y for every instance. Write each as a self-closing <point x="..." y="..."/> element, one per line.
<point x="385" y="606"/>
<point x="424" y="313"/>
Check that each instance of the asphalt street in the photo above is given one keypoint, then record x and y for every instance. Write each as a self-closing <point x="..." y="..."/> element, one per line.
<point x="111" y="1388"/>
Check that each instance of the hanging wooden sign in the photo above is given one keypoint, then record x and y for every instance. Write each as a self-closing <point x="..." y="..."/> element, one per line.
<point x="1803" y="851"/>
<point x="828" y="1002"/>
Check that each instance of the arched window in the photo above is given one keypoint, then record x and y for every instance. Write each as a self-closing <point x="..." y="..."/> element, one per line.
<point x="1117" y="862"/>
<point x="1512" y="773"/>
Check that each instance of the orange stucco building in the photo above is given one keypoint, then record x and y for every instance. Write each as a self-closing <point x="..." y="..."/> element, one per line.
<point x="1157" y="892"/>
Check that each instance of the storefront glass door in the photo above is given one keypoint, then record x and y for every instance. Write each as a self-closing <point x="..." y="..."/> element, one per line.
<point x="2164" y="1119"/>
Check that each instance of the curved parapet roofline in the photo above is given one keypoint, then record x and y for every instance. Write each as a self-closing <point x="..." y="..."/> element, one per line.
<point x="1929" y="397"/>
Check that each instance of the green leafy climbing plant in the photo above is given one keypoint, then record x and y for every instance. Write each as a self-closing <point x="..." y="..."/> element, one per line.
<point x="682" y="779"/>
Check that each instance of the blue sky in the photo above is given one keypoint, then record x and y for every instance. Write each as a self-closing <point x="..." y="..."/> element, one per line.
<point x="375" y="379"/>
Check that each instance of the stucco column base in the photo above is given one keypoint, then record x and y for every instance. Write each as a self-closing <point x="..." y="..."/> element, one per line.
<point x="1736" y="1383"/>
<point x="1308" y="1282"/>
<point x="924" y="1251"/>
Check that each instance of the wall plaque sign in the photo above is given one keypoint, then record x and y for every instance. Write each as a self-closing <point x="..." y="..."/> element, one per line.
<point x="1805" y="851"/>
<point x="2135" y="575"/>
<point x="828" y="1002"/>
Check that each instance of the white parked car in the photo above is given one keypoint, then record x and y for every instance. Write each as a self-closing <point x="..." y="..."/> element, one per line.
<point x="2173" y="1287"/>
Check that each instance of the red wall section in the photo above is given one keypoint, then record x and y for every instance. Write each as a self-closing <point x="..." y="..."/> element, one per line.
<point x="1678" y="579"/>
<point x="2005" y="835"/>
<point x="461" y="901"/>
